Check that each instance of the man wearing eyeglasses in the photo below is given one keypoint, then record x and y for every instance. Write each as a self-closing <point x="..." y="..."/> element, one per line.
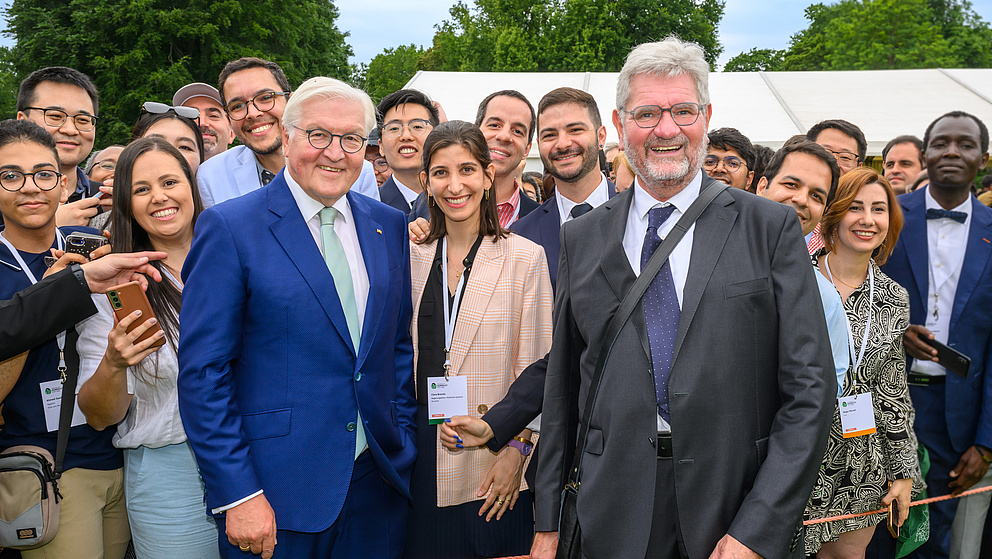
<point x="407" y="117"/>
<point x="215" y="126"/>
<point x="730" y="158"/>
<point x="715" y="385"/>
<point x="375" y="157"/>
<point x="254" y="94"/>
<point x="847" y="143"/>
<point x="296" y="375"/>
<point x="64" y="102"/>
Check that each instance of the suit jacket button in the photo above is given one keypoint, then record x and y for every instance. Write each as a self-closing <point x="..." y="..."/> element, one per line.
<point x="483" y="408"/>
<point x="351" y="426"/>
<point x="358" y="376"/>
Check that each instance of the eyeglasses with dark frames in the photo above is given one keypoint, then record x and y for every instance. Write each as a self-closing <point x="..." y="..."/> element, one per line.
<point x="55" y="118"/>
<point x="320" y="139"/>
<point x="152" y="107"/>
<point x="380" y="164"/>
<point x="264" y="101"/>
<point x="843" y="156"/>
<point x="648" y="116"/>
<point x="12" y="180"/>
<point x="730" y="163"/>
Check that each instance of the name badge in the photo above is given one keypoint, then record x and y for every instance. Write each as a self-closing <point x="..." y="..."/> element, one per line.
<point x="446" y="398"/>
<point x="51" y="400"/>
<point x="857" y="415"/>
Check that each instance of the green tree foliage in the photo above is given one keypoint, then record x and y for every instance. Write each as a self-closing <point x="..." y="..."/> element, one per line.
<point x="143" y="50"/>
<point x="388" y="71"/>
<point x="564" y="35"/>
<point x="756" y="60"/>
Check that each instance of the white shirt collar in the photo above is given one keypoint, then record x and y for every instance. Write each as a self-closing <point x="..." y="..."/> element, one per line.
<point x="310" y="207"/>
<point x="598" y="196"/>
<point x="933" y="205"/>
<point x="643" y="202"/>
<point x="408" y="193"/>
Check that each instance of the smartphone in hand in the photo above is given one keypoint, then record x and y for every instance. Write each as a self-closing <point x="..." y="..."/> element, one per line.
<point x="893" y="519"/>
<point x="129" y="297"/>
<point x="84" y="243"/>
<point x="951" y="359"/>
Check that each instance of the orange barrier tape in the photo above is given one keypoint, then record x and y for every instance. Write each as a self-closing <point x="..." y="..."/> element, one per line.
<point x="847" y="516"/>
<point x="912" y="504"/>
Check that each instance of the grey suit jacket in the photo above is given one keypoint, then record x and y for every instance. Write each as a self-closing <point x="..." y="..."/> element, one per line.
<point x="751" y="390"/>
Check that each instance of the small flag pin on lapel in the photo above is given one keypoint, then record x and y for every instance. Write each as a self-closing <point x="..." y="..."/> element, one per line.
<point x="379" y="231"/>
<point x="986" y="240"/>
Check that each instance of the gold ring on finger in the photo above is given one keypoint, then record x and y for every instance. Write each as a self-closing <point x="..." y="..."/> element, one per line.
<point x="244" y="547"/>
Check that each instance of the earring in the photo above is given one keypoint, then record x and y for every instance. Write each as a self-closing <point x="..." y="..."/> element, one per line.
<point x="486" y="194"/>
<point x="430" y="200"/>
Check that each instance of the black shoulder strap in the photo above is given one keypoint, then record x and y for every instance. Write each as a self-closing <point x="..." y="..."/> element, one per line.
<point x="630" y="301"/>
<point x="65" y="416"/>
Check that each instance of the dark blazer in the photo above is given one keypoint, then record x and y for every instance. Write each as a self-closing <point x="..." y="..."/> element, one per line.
<point x="969" y="400"/>
<point x="523" y="401"/>
<point x="390" y="195"/>
<point x="41" y="311"/>
<point x="751" y="390"/>
<point x="270" y="383"/>
<point x="543" y="226"/>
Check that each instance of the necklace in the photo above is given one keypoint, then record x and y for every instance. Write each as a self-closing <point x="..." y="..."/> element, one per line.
<point x="826" y="260"/>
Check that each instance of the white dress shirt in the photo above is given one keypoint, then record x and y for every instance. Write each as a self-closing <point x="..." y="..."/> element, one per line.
<point x="946" y="240"/>
<point x="598" y="196"/>
<point x="637" y="226"/>
<point x="408" y="193"/>
<point x="344" y="227"/>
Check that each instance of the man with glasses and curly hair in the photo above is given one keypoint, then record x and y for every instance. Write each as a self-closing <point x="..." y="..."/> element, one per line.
<point x="730" y="158"/>
<point x="254" y="93"/>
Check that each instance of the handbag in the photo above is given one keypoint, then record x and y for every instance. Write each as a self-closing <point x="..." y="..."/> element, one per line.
<point x="29" y="483"/>
<point x="569" y="534"/>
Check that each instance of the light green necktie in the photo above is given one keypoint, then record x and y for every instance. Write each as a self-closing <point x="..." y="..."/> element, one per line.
<point x="337" y="263"/>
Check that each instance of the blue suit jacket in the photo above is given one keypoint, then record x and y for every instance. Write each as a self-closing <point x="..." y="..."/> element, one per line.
<point x="235" y="173"/>
<point x="269" y="384"/>
<point x="969" y="400"/>
<point x="390" y="194"/>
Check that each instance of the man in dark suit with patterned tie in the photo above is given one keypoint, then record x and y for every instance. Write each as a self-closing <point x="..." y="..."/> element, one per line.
<point x="714" y="407"/>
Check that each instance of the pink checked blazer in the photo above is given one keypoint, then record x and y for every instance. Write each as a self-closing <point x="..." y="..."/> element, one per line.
<point x="504" y="325"/>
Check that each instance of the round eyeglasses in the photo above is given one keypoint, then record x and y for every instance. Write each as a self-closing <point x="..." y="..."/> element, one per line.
<point x="730" y="163"/>
<point x="264" y="101"/>
<point x="13" y="181"/>
<point x="417" y="127"/>
<point x="320" y="139"/>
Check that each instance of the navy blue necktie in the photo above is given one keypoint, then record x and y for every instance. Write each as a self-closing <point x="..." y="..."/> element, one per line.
<point x="937" y="213"/>
<point x="661" y="310"/>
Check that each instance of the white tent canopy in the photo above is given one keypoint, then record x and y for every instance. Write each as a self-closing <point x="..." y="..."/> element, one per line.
<point x="767" y="107"/>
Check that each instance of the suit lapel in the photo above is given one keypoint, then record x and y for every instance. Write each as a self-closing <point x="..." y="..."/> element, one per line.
<point x="710" y="235"/>
<point x="479" y="291"/>
<point x="373" y="245"/>
<point x="293" y="234"/>
<point x="614" y="263"/>
<point x="246" y="175"/>
<point x="914" y="240"/>
<point x="550" y="227"/>
<point x="976" y="257"/>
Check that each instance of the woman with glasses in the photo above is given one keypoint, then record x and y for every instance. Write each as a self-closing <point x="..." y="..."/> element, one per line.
<point x="871" y="457"/>
<point x="482" y="301"/>
<point x="131" y="384"/>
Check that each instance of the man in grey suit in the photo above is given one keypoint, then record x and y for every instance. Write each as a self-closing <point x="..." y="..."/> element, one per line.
<point x="713" y="412"/>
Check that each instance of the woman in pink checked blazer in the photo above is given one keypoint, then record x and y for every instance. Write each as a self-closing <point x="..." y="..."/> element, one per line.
<point x="495" y="288"/>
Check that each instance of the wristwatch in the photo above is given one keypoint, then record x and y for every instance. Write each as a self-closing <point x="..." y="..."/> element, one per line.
<point x="523" y="445"/>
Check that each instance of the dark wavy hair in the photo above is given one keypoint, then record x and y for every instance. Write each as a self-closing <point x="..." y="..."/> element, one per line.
<point x="165" y="298"/>
<point x="146" y="121"/>
<point x="468" y="136"/>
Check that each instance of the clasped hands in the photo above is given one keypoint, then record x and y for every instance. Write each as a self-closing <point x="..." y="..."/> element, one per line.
<point x="501" y="486"/>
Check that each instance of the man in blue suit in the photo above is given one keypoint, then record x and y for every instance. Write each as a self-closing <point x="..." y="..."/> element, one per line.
<point x="296" y="369"/>
<point x="254" y="93"/>
<point x="950" y="293"/>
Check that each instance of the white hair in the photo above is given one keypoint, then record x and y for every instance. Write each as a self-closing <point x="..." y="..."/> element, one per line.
<point x="669" y="58"/>
<point x="325" y="89"/>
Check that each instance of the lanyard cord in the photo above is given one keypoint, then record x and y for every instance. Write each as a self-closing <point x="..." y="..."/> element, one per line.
<point x="451" y="315"/>
<point x="850" y="334"/>
<point x="60" y="338"/>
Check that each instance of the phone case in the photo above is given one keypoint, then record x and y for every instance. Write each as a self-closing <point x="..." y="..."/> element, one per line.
<point x="129" y="297"/>
<point x="84" y="243"/>
<point x="951" y="359"/>
<point x="891" y="523"/>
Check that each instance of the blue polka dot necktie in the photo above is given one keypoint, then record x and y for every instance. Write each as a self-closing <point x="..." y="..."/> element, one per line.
<point x="661" y="310"/>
